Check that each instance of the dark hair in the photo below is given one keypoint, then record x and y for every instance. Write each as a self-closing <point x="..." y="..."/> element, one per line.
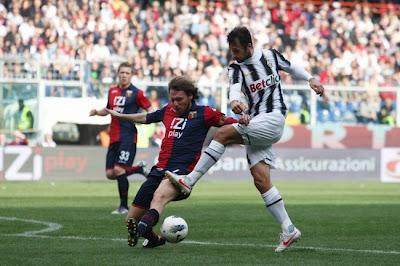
<point x="242" y="34"/>
<point x="125" y="64"/>
<point x="181" y="83"/>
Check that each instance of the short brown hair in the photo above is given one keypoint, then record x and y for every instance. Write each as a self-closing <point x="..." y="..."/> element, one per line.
<point x="242" y="34"/>
<point x="181" y="83"/>
<point x="125" y="64"/>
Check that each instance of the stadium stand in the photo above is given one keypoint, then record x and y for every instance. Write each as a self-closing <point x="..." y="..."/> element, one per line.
<point x="344" y="43"/>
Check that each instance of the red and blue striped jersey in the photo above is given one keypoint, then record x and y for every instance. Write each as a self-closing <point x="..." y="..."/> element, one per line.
<point x="126" y="101"/>
<point x="184" y="135"/>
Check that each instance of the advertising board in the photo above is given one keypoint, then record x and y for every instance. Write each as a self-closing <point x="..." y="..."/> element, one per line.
<point x="87" y="163"/>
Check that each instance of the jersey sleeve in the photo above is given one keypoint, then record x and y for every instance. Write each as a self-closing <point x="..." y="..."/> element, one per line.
<point x="293" y="69"/>
<point x="156" y="116"/>
<point x="235" y="82"/>
<point x="142" y="101"/>
<point x="212" y="117"/>
<point x="230" y="120"/>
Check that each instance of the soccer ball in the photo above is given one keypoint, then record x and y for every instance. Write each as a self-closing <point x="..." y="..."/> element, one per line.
<point x="174" y="229"/>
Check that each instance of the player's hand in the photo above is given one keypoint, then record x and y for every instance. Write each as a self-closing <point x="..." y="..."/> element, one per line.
<point x="316" y="86"/>
<point x="112" y="112"/>
<point x="238" y="107"/>
<point x="244" y="119"/>
<point x="93" y="112"/>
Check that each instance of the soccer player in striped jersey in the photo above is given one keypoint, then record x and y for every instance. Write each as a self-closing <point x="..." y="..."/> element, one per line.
<point x="186" y="125"/>
<point x="123" y="98"/>
<point x="255" y="73"/>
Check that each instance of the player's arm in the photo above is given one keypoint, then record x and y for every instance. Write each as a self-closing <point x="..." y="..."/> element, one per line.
<point x="224" y="120"/>
<point x="235" y="87"/>
<point x="298" y="71"/>
<point x="101" y="112"/>
<point x="150" y="109"/>
<point x="215" y="118"/>
<point x="136" y="118"/>
<point x="238" y="107"/>
<point x="143" y="102"/>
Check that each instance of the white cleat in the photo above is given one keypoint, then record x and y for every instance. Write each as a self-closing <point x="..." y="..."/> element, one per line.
<point x="288" y="239"/>
<point x="179" y="182"/>
<point x="144" y="171"/>
<point x="120" y="210"/>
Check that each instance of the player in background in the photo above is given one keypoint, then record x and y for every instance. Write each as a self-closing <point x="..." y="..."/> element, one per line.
<point x="127" y="99"/>
<point x="186" y="125"/>
<point x="255" y="73"/>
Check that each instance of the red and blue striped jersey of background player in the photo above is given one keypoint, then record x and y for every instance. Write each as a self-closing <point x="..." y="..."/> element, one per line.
<point x="184" y="135"/>
<point x="125" y="101"/>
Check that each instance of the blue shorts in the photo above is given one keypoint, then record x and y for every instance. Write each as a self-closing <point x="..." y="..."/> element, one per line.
<point x="120" y="153"/>
<point x="144" y="196"/>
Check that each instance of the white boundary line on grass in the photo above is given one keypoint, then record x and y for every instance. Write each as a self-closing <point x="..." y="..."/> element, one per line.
<point x="51" y="227"/>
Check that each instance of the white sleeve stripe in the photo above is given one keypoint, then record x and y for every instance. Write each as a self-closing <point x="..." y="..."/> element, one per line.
<point x="293" y="69"/>
<point x="300" y="72"/>
<point x="234" y="92"/>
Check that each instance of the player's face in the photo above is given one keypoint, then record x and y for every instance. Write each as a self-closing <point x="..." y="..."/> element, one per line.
<point x="239" y="52"/>
<point x="181" y="101"/>
<point x="125" y="76"/>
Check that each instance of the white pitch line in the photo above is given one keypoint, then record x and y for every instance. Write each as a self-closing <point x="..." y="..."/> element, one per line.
<point x="51" y="227"/>
<point x="54" y="227"/>
<point x="394" y="252"/>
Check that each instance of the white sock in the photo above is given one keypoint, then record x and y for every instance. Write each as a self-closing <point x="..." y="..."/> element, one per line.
<point x="275" y="205"/>
<point x="209" y="157"/>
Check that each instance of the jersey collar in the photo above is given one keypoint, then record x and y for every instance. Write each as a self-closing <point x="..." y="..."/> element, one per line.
<point x="125" y="87"/>
<point x="192" y="108"/>
<point x="254" y="58"/>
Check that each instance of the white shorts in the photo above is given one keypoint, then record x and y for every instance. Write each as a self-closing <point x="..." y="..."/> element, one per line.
<point x="263" y="130"/>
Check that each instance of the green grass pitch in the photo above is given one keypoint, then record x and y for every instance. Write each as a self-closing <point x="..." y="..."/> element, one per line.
<point x="342" y="223"/>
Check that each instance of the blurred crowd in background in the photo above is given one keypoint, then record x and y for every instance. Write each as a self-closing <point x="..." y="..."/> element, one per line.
<point x="343" y="46"/>
<point x="165" y="38"/>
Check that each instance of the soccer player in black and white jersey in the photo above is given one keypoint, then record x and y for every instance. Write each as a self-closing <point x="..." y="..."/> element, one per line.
<point x="255" y="73"/>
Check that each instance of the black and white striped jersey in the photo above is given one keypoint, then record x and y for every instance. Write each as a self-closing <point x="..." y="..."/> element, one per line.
<point x="259" y="80"/>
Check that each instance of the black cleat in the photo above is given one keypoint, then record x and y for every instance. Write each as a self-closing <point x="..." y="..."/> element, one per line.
<point x="132" y="232"/>
<point x="154" y="242"/>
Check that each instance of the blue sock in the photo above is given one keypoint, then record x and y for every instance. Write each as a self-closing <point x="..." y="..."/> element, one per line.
<point x="147" y="222"/>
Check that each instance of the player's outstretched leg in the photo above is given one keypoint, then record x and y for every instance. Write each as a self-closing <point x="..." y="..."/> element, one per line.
<point x="132" y="232"/>
<point x="140" y="168"/>
<point x="179" y="182"/>
<point x="287" y="239"/>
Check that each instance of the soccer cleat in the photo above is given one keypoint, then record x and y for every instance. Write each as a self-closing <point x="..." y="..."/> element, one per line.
<point x="132" y="232"/>
<point x="154" y="243"/>
<point x="287" y="239"/>
<point x="120" y="210"/>
<point x="144" y="170"/>
<point x="179" y="182"/>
